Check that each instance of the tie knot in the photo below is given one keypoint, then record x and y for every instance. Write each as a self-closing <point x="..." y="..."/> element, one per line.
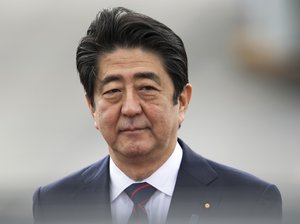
<point x="140" y="193"/>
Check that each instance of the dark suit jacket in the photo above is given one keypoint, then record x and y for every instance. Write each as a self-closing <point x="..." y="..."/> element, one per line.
<point x="205" y="192"/>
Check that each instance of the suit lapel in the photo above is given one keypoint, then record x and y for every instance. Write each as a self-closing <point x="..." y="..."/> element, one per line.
<point x="192" y="198"/>
<point x="95" y="191"/>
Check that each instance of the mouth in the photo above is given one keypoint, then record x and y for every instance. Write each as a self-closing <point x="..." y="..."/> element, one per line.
<point x="133" y="130"/>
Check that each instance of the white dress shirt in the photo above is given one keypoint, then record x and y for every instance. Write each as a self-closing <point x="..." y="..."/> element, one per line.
<point x="163" y="179"/>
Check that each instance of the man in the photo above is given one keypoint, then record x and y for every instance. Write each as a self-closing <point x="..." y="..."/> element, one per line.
<point x="134" y="72"/>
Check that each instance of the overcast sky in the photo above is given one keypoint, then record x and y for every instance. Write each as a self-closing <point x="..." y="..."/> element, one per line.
<point x="46" y="129"/>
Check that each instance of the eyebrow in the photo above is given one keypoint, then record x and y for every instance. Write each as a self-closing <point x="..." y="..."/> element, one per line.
<point x="148" y="75"/>
<point x="110" y="78"/>
<point x="137" y="76"/>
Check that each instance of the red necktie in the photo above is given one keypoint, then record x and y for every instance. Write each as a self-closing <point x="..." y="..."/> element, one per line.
<point x="139" y="193"/>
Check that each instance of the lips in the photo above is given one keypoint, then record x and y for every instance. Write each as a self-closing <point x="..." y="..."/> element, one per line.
<point x="132" y="129"/>
<point x="133" y="125"/>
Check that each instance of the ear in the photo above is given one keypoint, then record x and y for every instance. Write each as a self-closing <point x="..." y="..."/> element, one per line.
<point x="92" y="110"/>
<point x="183" y="101"/>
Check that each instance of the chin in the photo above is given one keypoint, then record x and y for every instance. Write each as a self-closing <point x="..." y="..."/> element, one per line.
<point x="135" y="150"/>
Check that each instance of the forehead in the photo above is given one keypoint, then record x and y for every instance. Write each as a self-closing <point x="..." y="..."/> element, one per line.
<point x="127" y="62"/>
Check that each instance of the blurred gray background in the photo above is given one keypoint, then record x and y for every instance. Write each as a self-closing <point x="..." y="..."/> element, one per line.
<point x="243" y="65"/>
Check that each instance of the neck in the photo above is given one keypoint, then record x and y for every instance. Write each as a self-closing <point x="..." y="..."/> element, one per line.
<point x="140" y="168"/>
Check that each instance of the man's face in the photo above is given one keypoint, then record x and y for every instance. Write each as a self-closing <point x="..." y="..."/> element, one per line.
<point x="134" y="108"/>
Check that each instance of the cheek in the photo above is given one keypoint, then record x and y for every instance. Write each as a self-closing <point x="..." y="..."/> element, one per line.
<point x="106" y="118"/>
<point x="163" y="117"/>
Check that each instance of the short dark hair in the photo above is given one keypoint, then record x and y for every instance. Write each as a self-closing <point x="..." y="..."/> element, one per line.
<point x="122" y="28"/>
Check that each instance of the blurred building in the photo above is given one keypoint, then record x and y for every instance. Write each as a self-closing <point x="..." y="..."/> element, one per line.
<point x="268" y="38"/>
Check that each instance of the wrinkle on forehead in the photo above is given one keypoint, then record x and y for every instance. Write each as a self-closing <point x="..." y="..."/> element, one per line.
<point x="128" y="58"/>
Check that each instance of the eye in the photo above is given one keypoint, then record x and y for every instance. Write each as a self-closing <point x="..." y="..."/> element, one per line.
<point x="148" y="88"/>
<point x="111" y="92"/>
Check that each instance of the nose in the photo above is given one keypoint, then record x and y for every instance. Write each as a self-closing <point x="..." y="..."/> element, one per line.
<point x="131" y="105"/>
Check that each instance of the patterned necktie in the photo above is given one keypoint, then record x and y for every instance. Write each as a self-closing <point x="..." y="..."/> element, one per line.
<point x="139" y="193"/>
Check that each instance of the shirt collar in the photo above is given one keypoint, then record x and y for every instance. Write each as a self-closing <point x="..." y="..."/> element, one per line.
<point x="119" y="181"/>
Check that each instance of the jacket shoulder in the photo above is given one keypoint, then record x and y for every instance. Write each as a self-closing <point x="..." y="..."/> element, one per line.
<point x="77" y="179"/>
<point x="79" y="196"/>
<point x="232" y="176"/>
<point x="69" y="187"/>
<point x="234" y="186"/>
